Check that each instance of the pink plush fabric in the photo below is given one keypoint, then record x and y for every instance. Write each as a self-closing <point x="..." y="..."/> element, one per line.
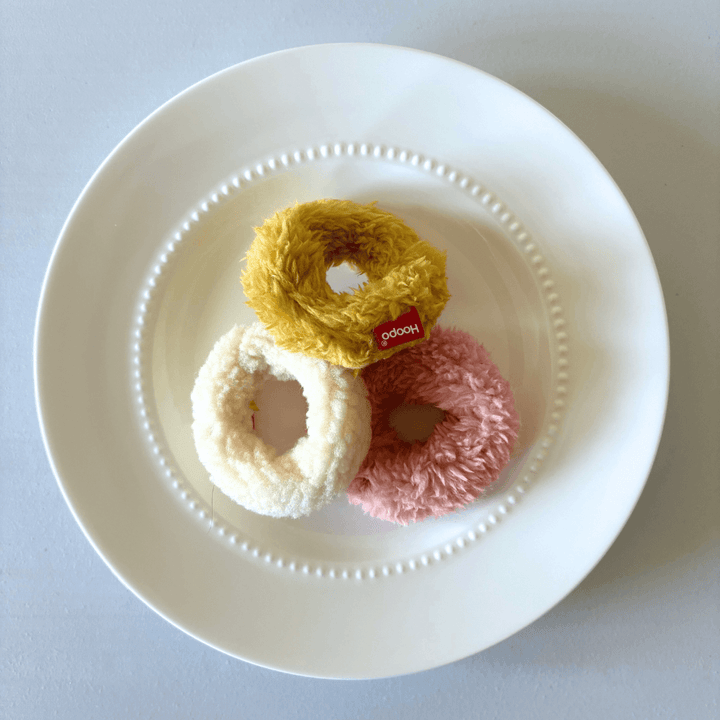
<point x="406" y="482"/>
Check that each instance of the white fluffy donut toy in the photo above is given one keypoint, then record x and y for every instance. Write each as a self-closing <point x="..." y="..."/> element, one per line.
<point x="246" y="469"/>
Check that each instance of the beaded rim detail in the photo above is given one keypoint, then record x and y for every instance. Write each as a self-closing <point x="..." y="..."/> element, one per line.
<point x="345" y="571"/>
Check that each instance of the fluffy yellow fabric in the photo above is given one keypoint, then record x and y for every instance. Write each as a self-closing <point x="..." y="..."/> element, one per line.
<point x="285" y="281"/>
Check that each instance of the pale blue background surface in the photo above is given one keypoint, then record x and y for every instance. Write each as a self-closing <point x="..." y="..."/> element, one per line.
<point x="639" y="82"/>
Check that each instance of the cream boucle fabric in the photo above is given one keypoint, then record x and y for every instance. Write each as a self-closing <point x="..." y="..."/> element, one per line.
<point x="318" y="467"/>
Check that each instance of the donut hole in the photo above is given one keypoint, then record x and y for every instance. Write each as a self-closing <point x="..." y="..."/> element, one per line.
<point x="343" y="278"/>
<point x="415" y="423"/>
<point x="281" y="419"/>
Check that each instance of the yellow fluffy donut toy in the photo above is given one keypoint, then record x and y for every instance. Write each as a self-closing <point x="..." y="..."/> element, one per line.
<point x="396" y="308"/>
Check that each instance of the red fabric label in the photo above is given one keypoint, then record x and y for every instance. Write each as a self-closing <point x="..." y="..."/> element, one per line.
<point x="405" y="328"/>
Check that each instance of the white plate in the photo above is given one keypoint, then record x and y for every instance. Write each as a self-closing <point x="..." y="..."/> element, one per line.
<point x="547" y="267"/>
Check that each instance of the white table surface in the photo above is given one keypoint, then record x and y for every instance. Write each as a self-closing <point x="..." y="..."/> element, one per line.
<point x="639" y="82"/>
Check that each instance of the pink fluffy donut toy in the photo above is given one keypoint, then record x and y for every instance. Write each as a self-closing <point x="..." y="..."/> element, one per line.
<point x="405" y="482"/>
